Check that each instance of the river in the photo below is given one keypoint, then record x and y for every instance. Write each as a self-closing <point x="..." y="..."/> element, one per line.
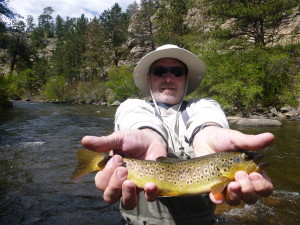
<point x="38" y="143"/>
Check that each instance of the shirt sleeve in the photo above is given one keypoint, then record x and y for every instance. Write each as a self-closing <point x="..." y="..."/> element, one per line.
<point x="204" y="111"/>
<point x="138" y="114"/>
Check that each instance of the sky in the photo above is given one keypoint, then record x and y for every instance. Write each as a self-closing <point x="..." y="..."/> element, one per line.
<point x="64" y="8"/>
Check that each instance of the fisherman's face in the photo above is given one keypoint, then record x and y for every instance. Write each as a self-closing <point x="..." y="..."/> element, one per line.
<point x="167" y="80"/>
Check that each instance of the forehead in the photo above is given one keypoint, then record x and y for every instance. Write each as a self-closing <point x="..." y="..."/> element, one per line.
<point x="167" y="62"/>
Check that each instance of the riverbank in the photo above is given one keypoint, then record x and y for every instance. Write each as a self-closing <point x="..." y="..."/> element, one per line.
<point x="264" y="116"/>
<point x="258" y="117"/>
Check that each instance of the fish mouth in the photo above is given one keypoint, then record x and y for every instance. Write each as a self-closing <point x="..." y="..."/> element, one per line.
<point x="257" y="157"/>
<point x="256" y="165"/>
<point x="254" y="156"/>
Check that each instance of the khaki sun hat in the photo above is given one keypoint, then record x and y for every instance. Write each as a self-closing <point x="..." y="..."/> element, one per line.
<point x="196" y="67"/>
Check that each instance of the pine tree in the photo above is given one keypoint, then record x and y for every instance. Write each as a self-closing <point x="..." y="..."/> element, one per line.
<point x="170" y="22"/>
<point x="115" y="24"/>
<point x="95" y="55"/>
<point x="46" y="22"/>
<point x="258" y="19"/>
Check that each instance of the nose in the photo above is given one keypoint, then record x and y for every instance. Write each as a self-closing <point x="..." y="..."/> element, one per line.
<point x="168" y="77"/>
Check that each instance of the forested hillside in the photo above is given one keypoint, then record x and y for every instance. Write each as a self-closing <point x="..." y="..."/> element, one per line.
<point x="251" y="49"/>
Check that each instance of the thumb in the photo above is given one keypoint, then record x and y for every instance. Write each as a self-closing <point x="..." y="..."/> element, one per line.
<point x="239" y="140"/>
<point x="101" y="144"/>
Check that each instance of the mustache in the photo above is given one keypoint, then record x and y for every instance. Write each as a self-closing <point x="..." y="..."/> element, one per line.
<point x="168" y="84"/>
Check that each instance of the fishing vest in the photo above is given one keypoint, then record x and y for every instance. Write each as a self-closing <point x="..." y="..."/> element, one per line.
<point x="185" y="115"/>
<point x="171" y="210"/>
<point x="183" y="152"/>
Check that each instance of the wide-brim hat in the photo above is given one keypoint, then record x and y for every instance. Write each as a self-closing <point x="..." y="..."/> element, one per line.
<point x="196" y="67"/>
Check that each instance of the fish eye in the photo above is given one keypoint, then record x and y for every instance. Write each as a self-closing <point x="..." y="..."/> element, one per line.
<point x="236" y="160"/>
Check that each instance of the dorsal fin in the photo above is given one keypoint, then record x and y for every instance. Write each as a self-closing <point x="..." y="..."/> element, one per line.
<point x="165" y="159"/>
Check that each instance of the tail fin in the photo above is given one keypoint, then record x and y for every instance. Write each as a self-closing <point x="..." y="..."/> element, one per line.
<point x="88" y="162"/>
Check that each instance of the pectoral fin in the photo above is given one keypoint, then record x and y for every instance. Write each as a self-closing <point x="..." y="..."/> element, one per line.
<point x="218" y="188"/>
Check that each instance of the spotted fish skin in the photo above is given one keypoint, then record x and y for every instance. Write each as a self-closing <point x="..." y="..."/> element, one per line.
<point x="176" y="177"/>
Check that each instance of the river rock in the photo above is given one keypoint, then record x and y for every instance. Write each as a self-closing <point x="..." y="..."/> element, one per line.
<point x="253" y="122"/>
<point x="258" y="122"/>
<point x="292" y="113"/>
<point x="233" y="119"/>
<point x="116" y="103"/>
<point x="274" y="111"/>
<point x="286" y="109"/>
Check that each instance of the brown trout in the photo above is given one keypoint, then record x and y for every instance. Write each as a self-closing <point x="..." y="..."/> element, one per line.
<point x="174" y="177"/>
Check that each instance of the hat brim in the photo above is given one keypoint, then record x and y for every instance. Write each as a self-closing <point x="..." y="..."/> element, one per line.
<point x="196" y="67"/>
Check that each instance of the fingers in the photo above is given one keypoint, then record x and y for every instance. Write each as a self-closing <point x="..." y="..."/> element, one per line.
<point x="112" y="180"/>
<point x="103" y="177"/>
<point x="262" y="183"/>
<point x="103" y="144"/>
<point x="216" y="139"/>
<point x="113" y="192"/>
<point x="238" y="140"/>
<point x="151" y="191"/>
<point x="129" y="195"/>
<point x="144" y="144"/>
<point x="241" y="189"/>
<point x="248" y="188"/>
<point x="233" y="193"/>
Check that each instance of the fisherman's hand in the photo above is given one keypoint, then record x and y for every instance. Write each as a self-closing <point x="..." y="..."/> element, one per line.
<point x="142" y="144"/>
<point x="246" y="188"/>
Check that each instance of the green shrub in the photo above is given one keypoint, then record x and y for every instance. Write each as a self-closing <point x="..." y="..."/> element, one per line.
<point x="55" y="88"/>
<point x="91" y="92"/>
<point x="4" y="102"/>
<point x="121" y="82"/>
<point x="252" y="76"/>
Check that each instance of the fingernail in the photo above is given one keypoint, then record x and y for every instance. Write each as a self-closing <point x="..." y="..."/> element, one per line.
<point x="121" y="174"/>
<point x="114" y="162"/>
<point x="117" y="159"/>
<point x="255" y="178"/>
<point x="241" y="176"/>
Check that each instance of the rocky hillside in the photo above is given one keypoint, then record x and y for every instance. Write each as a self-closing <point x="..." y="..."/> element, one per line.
<point x="288" y="32"/>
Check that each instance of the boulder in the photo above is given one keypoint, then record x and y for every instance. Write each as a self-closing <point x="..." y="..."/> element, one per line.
<point x="274" y="111"/>
<point x="233" y="119"/>
<point x="116" y="103"/>
<point x="292" y="113"/>
<point x="258" y="122"/>
<point x="252" y="122"/>
<point x="286" y="109"/>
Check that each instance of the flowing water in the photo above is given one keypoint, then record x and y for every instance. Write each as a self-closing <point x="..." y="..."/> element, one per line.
<point x="38" y="143"/>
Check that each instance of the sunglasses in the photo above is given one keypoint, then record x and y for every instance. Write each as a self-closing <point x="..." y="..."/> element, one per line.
<point x="161" y="71"/>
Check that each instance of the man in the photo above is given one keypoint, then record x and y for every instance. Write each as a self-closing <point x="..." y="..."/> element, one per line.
<point x="169" y="126"/>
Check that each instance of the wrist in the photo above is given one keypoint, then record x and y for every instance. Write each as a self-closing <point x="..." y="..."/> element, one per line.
<point x="153" y="134"/>
<point x="199" y="128"/>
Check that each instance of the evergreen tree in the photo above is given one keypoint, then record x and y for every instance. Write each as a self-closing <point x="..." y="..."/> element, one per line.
<point x="5" y="13"/>
<point x="59" y="26"/>
<point x="132" y="9"/>
<point x="29" y="24"/>
<point x="46" y="22"/>
<point x="68" y="56"/>
<point x="18" y="48"/>
<point x="258" y="19"/>
<point x="95" y="55"/>
<point x="145" y="25"/>
<point x="37" y="39"/>
<point x="170" y="22"/>
<point x="115" y="24"/>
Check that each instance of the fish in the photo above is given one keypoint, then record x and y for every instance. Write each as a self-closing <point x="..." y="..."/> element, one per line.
<point x="175" y="177"/>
